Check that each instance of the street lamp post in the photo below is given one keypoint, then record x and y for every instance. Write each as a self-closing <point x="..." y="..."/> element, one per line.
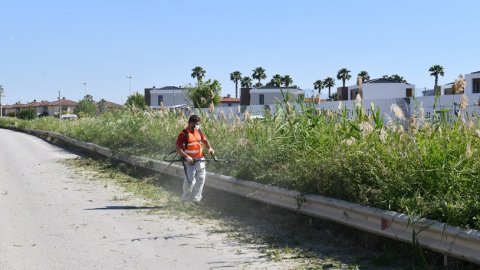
<point x="129" y="84"/>
<point x="85" y="87"/>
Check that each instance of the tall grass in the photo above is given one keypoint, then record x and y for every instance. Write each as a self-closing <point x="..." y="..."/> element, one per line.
<point x="426" y="168"/>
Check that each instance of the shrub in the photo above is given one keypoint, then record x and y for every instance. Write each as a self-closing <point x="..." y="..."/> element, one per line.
<point x="27" y="114"/>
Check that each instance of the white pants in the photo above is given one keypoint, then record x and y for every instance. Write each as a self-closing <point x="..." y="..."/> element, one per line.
<point x="193" y="181"/>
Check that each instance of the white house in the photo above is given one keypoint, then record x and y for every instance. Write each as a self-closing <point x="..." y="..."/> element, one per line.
<point x="271" y="94"/>
<point x="167" y="96"/>
<point x="472" y="83"/>
<point x="64" y="105"/>
<point x="446" y="89"/>
<point x="43" y="107"/>
<point x="382" y="88"/>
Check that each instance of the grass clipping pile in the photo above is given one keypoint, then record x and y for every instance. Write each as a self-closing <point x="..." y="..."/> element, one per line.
<point x="274" y="235"/>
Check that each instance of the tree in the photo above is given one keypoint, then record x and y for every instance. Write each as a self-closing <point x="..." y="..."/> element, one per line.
<point x="276" y="80"/>
<point x="246" y="82"/>
<point x="258" y="84"/>
<point x="27" y="114"/>
<point x="136" y="100"/>
<point x="235" y="77"/>
<point x="435" y="71"/>
<point x="318" y="85"/>
<point x="395" y="78"/>
<point x="364" y="75"/>
<point x="198" y="72"/>
<point x="205" y="93"/>
<point x="287" y="80"/>
<point x="86" y="107"/>
<point x="102" y="105"/>
<point x="329" y="83"/>
<point x="259" y="74"/>
<point x="344" y="75"/>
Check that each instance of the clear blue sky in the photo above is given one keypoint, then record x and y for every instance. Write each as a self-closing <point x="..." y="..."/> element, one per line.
<point x="47" y="46"/>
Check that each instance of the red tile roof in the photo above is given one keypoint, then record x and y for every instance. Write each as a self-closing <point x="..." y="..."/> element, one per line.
<point x="63" y="102"/>
<point x="110" y="104"/>
<point x="230" y="99"/>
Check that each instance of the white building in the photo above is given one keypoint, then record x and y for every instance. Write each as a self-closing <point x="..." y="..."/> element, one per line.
<point x="271" y="94"/>
<point x="166" y="96"/>
<point x="446" y="89"/>
<point x="472" y="83"/>
<point x="382" y="88"/>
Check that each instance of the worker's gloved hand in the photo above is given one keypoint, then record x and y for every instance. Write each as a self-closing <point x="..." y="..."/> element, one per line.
<point x="211" y="151"/>
<point x="189" y="160"/>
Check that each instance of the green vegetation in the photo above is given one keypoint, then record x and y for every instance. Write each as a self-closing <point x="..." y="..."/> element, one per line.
<point x="86" y="107"/>
<point x="365" y="76"/>
<point x="395" y="78"/>
<point x="27" y="114"/>
<point x="136" y="100"/>
<point x="205" y="94"/>
<point x="344" y="75"/>
<point x="236" y="77"/>
<point x="424" y="168"/>
<point x="329" y="82"/>
<point x="259" y="74"/>
<point x="198" y="72"/>
<point x="436" y="70"/>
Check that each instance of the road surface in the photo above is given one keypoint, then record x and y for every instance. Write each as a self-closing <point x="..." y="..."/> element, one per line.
<point x="51" y="219"/>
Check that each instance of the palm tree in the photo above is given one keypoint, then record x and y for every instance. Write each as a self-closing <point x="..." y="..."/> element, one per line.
<point x="364" y="75"/>
<point x="329" y="83"/>
<point x="235" y="77"/>
<point x="198" y="72"/>
<point x="394" y="78"/>
<point x="259" y="74"/>
<point x="435" y="71"/>
<point x="318" y="85"/>
<point x="102" y="105"/>
<point x="277" y="80"/>
<point x="287" y="80"/>
<point x="343" y="74"/>
<point x="246" y="82"/>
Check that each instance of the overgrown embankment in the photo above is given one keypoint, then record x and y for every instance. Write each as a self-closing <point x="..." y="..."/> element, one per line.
<point x="428" y="168"/>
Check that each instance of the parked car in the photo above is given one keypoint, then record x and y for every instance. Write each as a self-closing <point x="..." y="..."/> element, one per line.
<point x="69" y="116"/>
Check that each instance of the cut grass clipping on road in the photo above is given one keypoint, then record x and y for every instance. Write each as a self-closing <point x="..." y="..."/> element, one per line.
<point x="276" y="235"/>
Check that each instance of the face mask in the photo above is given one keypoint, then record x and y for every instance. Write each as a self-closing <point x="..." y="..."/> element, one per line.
<point x="197" y="126"/>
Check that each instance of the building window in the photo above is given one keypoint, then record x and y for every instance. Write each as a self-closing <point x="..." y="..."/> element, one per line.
<point x="261" y="99"/>
<point x="476" y="85"/>
<point x="160" y="100"/>
<point x="409" y="92"/>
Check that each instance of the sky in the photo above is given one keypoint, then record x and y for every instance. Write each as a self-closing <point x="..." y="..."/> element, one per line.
<point x="50" y="46"/>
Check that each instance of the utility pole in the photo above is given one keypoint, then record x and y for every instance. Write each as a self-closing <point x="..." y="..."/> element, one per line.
<point x="1" y="95"/>
<point x="59" y="105"/>
<point x="129" y="84"/>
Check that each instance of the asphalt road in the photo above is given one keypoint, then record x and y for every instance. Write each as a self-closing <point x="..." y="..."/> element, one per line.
<point x="52" y="219"/>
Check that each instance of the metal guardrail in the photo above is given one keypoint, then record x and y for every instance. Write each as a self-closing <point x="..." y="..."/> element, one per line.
<point x="437" y="236"/>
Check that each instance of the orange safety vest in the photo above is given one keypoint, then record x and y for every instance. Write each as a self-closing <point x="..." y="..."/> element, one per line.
<point x="193" y="147"/>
